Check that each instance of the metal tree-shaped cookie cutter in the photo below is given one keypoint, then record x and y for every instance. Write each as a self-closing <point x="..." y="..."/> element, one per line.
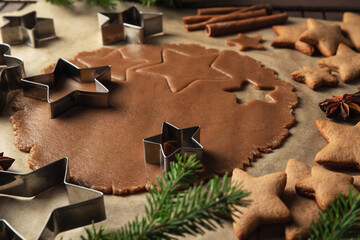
<point x="130" y="25"/>
<point x="161" y="149"/>
<point x="40" y="86"/>
<point x="12" y="70"/>
<point x="27" y="29"/>
<point x="85" y="205"/>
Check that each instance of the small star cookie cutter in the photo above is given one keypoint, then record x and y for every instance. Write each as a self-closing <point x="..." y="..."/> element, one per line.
<point x="130" y="25"/>
<point x="161" y="149"/>
<point x="40" y="87"/>
<point x="27" y="29"/>
<point x="11" y="72"/>
<point x="85" y="205"/>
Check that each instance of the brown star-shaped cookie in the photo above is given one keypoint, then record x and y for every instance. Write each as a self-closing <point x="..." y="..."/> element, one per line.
<point x="288" y="37"/>
<point x="346" y="62"/>
<point x="303" y="210"/>
<point x="324" y="36"/>
<point x="343" y="149"/>
<point x="324" y="185"/>
<point x="357" y="182"/>
<point x="351" y="26"/>
<point x="197" y="68"/>
<point x="243" y="42"/>
<point x="315" y="77"/>
<point x="266" y="207"/>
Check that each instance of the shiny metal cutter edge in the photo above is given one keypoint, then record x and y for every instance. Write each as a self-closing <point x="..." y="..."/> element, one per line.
<point x="38" y="87"/>
<point x="130" y="25"/>
<point x="11" y="75"/>
<point x="188" y="139"/>
<point x="85" y="205"/>
<point x="27" y="29"/>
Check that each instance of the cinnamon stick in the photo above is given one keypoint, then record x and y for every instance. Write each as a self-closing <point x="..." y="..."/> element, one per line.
<point x="225" y="18"/>
<point x="224" y="28"/>
<point x="217" y="10"/>
<point x="226" y="10"/>
<point x="197" y="19"/>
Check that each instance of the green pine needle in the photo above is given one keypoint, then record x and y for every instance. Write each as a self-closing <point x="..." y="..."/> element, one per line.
<point x="175" y="209"/>
<point x="111" y="4"/>
<point x="339" y="220"/>
<point x="106" y="4"/>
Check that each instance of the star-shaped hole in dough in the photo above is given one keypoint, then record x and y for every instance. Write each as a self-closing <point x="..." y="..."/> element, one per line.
<point x="325" y="37"/>
<point x="346" y="62"/>
<point x="351" y="27"/>
<point x="288" y="37"/>
<point x="181" y="70"/>
<point x="266" y="207"/>
<point x="343" y="150"/>
<point x="315" y="77"/>
<point x="325" y="185"/>
<point x="243" y="42"/>
<point x="119" y="64"/>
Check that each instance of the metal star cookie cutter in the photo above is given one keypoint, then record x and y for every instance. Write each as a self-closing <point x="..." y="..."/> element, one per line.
<point x="11" y="72"/>
<point x="130" y="25"/>
<point x="85" y="205"/>
<point x="41" y="86"/>
<point x="27" y="29"/>
<point x="8" y="232"/>
<point x="161" y="149"/>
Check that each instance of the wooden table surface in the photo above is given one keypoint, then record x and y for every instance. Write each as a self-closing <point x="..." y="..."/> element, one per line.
<point x="319" y="9"/>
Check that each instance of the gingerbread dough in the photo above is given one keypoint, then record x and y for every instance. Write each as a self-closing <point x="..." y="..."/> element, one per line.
<point x="105" y="147"/>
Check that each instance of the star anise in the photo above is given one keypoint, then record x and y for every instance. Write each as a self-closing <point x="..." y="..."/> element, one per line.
<point x="5" y="162"/>
<point x="342" y="107"/>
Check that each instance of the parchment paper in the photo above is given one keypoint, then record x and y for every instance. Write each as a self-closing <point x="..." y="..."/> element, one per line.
<point x="78" y="30"/>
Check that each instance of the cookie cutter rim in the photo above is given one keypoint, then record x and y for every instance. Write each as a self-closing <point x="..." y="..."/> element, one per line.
<point x="187" y="138"/>
<point x="10" y="76"/>
<point x="116" y="26"/>
<point x="27" y="29"/>
<point x="8" y="232"/>
<point x="39" y="86"/>
<point x="85" y="205"/>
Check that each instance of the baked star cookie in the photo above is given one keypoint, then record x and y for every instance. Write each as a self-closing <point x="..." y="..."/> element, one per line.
<point x="343" y="149"/>
<point x="266" y="207"/>
<point x="346" y="62"/>
<point x="351" y="27"/>
<point x="325" y="185"/>
<point x="288" y="37"/>
<point x="324" y="36"/>
<point x="243" y="42"/>
<point x="303" y="210"/>
<point x="315" y="77"/>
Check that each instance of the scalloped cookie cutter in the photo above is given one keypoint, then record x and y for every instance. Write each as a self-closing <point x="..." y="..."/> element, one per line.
<point x="12" y="70"/>
<point x="40" y="87"/>
<point x="27" y="29"/>
<point x="130" y="25"/>
<point x="161" y="149"/>
<point x="85" y="205"/>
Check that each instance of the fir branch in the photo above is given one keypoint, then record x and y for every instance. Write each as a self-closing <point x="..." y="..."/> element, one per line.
<point x="164" y="3"/>
<point x="110" y="4"/>
<point x="106" y="4"/>
<point x="339" y="220"/>
<point x="172" y="211"/>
